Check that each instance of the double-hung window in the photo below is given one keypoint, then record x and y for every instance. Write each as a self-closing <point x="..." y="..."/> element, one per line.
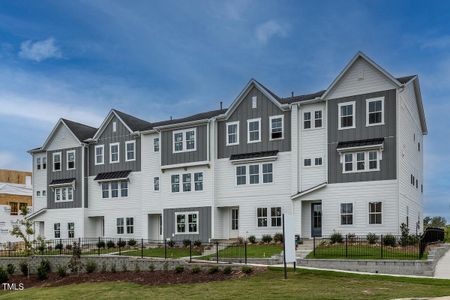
<point x="267" y="171"/>
<point x="241" y="175"/>
<point x="44" y="163"/>
<point x="156" y="184"/>
<point x="346" y="115"/>
<point x="130" y="149"/>
<point x="63" y="194"/>
<point x="232" y="129"/>
<point x="57" y="230"/>
<point x="318" y="119"/>
<point x="375" y="111"/>
<point x="187" y="182"/>
<point x="318" y="161"/>
<point x="178" y="141"/>
<point x="156" y="144"/>
<point x="375" y="213"/>
<point x="373" y="160"/>
<point x="262" y="216"/>
<point x="38" y="163"/>
<point x="275" y="215"/>
<point x="120" y="225"/>
<point x="130" y="225"/>
<point x="307" y="120"/>
<point x="253" y="171"/>
<point x="361" y="161"/>
<point x="114" y="153"/>
<point x="114" y="189"/>
<point x="198" y="181"/>
<point x="185" y="140"/>
<point x="99" y="154"/>
<point x="348" y="162"/>
<point x="254" y="130"/>
<point x="186" y="222"/>
<point x="276" y="127"/>
<point x="124" y="189"/>
<point x="71" y="230"/>
<point x="105" y="190"/>
<point x="70" y="160"/>
<point x="57" y="161"/>
<point x="346" y="213"/>
<point x="175" y="180"/>
<point x="256" y="173"/>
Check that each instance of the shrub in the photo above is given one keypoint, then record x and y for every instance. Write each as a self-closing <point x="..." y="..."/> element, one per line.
<point x="59" y="246"/>
<point x="101" y="245"/>
<point x="113" y="268"/>
<point x="132" y="243"/>
<point x="186" y="243"/>
<point x="11" y="269"/>
<point x="240" y="240"/>
<point x="121" y="244"/>
<point x="227" y="270"/>
<point x="124" y="267"/>
<point x="166" y="266"/>
<point x="351" y="237"/>
<point x="266" y="238"/>
<point x="24" y="268"/>
<point x="278" y="237"/>
<point x="42" y="273"/>
<point x="3" y="276"/>
<point x="246" y="269"/>
<point x="104" y="268"/>
<point x="137" y="269"/>
<point x="69" y="247"/>
<point x="46" y="264"/>
<point x="91" y="266"/>
<point x="171" y="243"/>
<point x="252" y="239"/>
<point x="110" y="244"/>
<point x="196" y="269"/>
<point x="179" y="269"/>
<point x="336" y="237"/>
<point x="75" y="263"/>
<point x="213" y="270"/>
<point x="389" y="240"/>
<point x="151" y="268"/>
<point x="197" y="243"/>
<point x="61" y="270"/>
<point x="372" y="238"/>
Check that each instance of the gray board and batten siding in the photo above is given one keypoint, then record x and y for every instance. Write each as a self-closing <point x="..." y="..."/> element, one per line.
<point x="265" y="109"/>
<point x="362" y="132"/>
<point x="204" y="224"/>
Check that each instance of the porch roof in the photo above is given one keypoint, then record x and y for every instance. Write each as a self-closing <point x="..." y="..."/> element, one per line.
<point x="112" y="175"/>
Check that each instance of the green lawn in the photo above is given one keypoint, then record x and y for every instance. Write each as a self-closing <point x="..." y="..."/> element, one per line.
<point x="253" y="251"/>
<point x="159" y="252"/>
<point x="305" y="284"/>
<point x="364" y="252"/>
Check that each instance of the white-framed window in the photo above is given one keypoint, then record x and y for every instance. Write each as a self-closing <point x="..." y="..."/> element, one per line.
<point x="114" y="189"/>
<point x="156" y="184"/>
<point x="44" y="193"/>
<point x="254" y="130"/>
<point x="71" y="230"/>
<point x="187" y="182"/>
<point x="114" y="153"/>
<point x="275" y="215"/>
<point x="99" y="154"/>
<point x="276" y="127"/>
<point x="254" y="102"/>
<point x="318" y="119"/>
<point x="38" y="163"/>
<point x="253" y="172"/>
<point x="307" y="162"/>
<point x="346" y="111"/>
<point x="310" y="116"/>
<point x="318" y="161"/>
<point x="198" y="181"/>
<point x="375" y="111"/>
<point x="346" y="213"/>
<point x="130" y="151"/>
<point x="267" y="171"/>
<point x="175" y="181"/>
<point x="56" y="161"/>
<point x="348" y="162"/>
<point x="261" y="215"/>
<point x="114" y="126"/>
<point x="232" y="137"/>
<point x="38" y="193"/>
<point x="375" y="213"/>
<point x="120" y="225"/>
<point x="362" y="161"/>
<point x="241" y="175"/>
<point x="184" y="140"/>
<point x="130" y="225"/>
<point x="256" y="173"/>
<point x="105" y="190"/>
<point x="63" y="194"/>
<point x="124" y="189"/>
<point x="57" y="195"/>
<point x="44" y="163"/>
<point x="156" y="144"/>
<point x="186" y="222"/>
<point x="57" y="230"/>
<point x="235" y="219"/>
<point x="70" y="160"/>
<point x="307" y="120"/>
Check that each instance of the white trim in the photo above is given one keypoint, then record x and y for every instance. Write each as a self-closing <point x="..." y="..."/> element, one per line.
<point x="355" y="161"/>
<point x="248" y="130"/>
<point x="103" y="155"/>
<point x="186" y="224"/>
<point x="60" y="161"/>
<point x="134" y="150"/>
<point x="118" y="153"/>
<point x="310" y="190"/>
<point x="64" y="190"/>
<point x="347" y="214"/>
<point x="184" y="140"/>
<point x="382" y="111"/>
<point x="353" y="103"/>
<point x="270" y="127"/>
<point x="54" y="130"/>
<point x="237" y="133"/>
<point x="74" y="160"/>
<point x="260" y="174"/>
<point x="185" y="165"/>
<point x="254" y="160"/>
<point x="382" y="213"/>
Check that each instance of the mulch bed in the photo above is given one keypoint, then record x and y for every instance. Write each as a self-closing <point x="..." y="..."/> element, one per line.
<point x="144" y="278"/>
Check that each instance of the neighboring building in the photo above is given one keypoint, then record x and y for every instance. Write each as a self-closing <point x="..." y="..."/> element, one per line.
<point x="15" y="192"/>
<point x="347" y="159"/>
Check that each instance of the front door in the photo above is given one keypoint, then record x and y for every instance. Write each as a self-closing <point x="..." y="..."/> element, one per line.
<point x="234" y="230"/>
<point x="316" y="219"/>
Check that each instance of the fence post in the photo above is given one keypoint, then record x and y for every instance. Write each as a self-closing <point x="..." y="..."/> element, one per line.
<point x="245" y="252"/>
<point x="217" y="252"/>
<point x="381" y="244"/>
<point x="165" y="249"/>
<point x="190" y="251"/>
<point x="142" y="248"/>
<point x="119" y="243"/>
<point x="314" y="246"/>
<point x="346" y="246"/>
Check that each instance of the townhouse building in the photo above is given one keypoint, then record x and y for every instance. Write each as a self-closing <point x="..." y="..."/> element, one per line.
<point x="347" y="159"/>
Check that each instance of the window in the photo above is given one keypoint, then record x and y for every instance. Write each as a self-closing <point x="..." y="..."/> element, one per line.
<point x="44" y="193"/>
<point x="276" y="127"/>
<point x="267" y="170"/>
<point x="262" y="217"/>
<point x="130" y="225"/>
<point x="190" y="140"/>
<point x="70" y="160"/>
<point x="156" y="144"/>
<point x="99" y="155"/>
<point x="346" y="213"/>
<point x="306" y="120"/>
<point x="184" y="140"/>
<point x="417" y="183"/>
<point x="187" y="182"/>
<point x="307" y="162"/>
<point x="175" y="179"/>
<point x="348" y="164"/>
<point x="234" y="218"/>
<point x="253" y="171"/>
<point x="275" y="214"/>
<point x="130" y="148"/>
<point x="198" y="181"/>
<point x="418" y="146"/>
<point x="14" y="208"/>
<point x="114" y="189"/>
<point x="360" y="161"/>
<point x="375" y="212"/>
<point x="373" y="161"/>
<point x="64" y="194"/>
<point x="346" y="115"/>
<point x="241" y="175"/>
<point x="156" y="183"/>
<point x="421" y="188"/>
<point x="375" y="111"/>
<point x="114" y="126"/>
<point x="71" y="230"/>
<point x="318" y="119"/>
<point x="232" y="133"/>
<point x="69" y="194"/>
<point x="124" y="189"/>
<point x="57" y="161"/>
<point x="38" y="163"/>
<point x="105" y="190"/>
<point x="114" y="153"/>
<point x="178" y="142"/>
<point x="253" y="130"/>
<point x="186" y="222"/>
<point x="318" y="161"/>
<point x="120" y="225"/>
<point x="57" y="195"/>
<point x="38" y="193"/>
<point x="254" y="102"/>
<point x="44" y="163"/>
<point x="57" y="230"/>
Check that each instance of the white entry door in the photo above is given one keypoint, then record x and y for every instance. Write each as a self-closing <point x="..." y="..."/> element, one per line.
<point x="234" y="230"/>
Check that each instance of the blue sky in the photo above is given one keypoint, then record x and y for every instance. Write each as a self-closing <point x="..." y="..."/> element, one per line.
<point x="78" y="59"/>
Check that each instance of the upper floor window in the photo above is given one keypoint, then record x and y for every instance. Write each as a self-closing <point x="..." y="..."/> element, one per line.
<point x="375" y="111"/>
<point x="114" y="126"/>
<point x="175" y="181"/>
<point x="105" y="190"/>
<point x="44" y="163"/>
<point x="254" y="102"/>
<point x="114" y="189"/>
<point x="307" y="162"/>
<point x="57" y="161"/>
<point x="124" y="189"/>
<point x="363" y="161"/>
<point x="232" y="133"/>
<point x="318" y="119"/>
<point x="375" y="213"/>
<point x="99" y="155"/>
<point x="38" y="163"/>
<point x="156" y="144"/>
<point x="198" y="181"/>
<point x="71" y="160"/>
<point x="254" y="130"/>
<point x="318" y="161"/>
<point x="276" y="127"/>
<point x="187" y="182"/>
<point x="255" y="173"/>
<point x="267" y="171"/>
<point x="185" y="140"/>
<point x="156" y="184"/>
<point x="346" y="115"/>
<point x="114" y="153"/>
<point x="307" y="120"/>
<point x="346" y="213"/>
<point x="241" y="175"/>
<point x="130" y="148"/>
<point x="63" y="194"/>
<point x="38" y="193"/>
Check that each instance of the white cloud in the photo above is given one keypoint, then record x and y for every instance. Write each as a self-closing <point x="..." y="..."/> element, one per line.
<point x="39" y="50"/>
<point x="269" y="29"/>
<point x="9" y="160"/>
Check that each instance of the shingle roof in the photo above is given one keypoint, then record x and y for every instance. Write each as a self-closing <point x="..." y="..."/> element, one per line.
<point x="134" y="123"/>
<point x="405" y="79"/>
<point x="196" y="117"/>
<point x="254" y="155"/>
<point x="112" y="175"/>
<point x="62" y="181"/>
<point x="298" y="98"/>
<point x="360" y="143"/>
<point x="81" y="131"/>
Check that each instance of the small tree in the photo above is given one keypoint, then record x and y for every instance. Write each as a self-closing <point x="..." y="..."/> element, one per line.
<point x="23" y="230"/>
<point x="75" y="263"/>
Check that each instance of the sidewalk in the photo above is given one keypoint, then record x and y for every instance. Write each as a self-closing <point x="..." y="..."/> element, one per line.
<point x="443" y="267"/>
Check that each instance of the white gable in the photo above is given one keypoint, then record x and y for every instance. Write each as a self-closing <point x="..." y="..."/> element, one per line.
<point x="360" y="78"/>
<point x="62" y="139"/>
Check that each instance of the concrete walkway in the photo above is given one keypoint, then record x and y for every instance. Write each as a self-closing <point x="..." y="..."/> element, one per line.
<point x="443" y="267"/>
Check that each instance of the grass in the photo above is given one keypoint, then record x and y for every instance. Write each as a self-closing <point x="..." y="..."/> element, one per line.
<point x="159" y="252"/>
<point x="253" y="251"/>
<point x="305" y="284"/>
<point x="364" y="252"/>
